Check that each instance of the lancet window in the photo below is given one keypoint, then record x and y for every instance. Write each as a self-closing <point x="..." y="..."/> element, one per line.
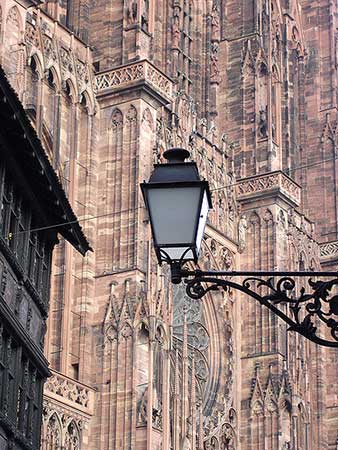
<point x="72" y="439"/>
<point x="53" y="437"/>
<point x="32" y="89"/>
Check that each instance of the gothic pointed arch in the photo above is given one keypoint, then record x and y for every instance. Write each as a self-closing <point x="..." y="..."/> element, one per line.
<point x="147" y="119"/>
<point x="53" y="434"/>
<point x="35" y="62"/>
<point x="257" y="394"/>
<point x="53" y="77"/>
<point x="72" y="439"/>
<point x="248" y="61"/>
<point x="33" y="80"/>
<point x="271" y="392"/>
<point x="52" y="86"/>
<point x="116" y="118"/>
<point x="87" y="101"/>
<point x="70" y="89"/>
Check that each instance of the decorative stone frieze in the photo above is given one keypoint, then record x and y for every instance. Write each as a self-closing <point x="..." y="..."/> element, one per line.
<point x="276" y="182"/>
<point x="141" y="71"/>
<point x="329" y="249"/>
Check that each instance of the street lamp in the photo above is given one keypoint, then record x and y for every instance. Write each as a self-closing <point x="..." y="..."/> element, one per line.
<point x="178" y="202"/>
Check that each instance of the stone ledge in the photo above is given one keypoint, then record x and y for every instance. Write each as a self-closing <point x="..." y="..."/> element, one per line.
<point x="135" y="73"/>
<point x="271" y="183"/>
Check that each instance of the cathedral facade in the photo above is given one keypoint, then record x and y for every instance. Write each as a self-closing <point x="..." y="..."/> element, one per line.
<point x="249" y="87"/>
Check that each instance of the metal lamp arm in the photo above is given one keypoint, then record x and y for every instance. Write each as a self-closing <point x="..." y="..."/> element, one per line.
<point x="279" y="290"/>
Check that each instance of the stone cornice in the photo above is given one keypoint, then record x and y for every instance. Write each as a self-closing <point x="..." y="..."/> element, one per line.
<point x="268" y="184"/>
<point x="136" y="73"/>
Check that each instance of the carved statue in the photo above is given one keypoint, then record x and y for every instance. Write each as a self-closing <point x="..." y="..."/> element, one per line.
<point x="132" y="12"/>
<point x="142" y="408"/>
<point x="242" y="232"/>
<point x="215" y="22"/>
<point x="226" y="259"/>
<point x="145" y="15"/>
<point x="263" y="124"/>
<point x="176" y="33"/>
<point x="214" y="64"/>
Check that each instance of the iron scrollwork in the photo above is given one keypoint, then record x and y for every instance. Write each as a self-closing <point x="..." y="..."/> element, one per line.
<point x="302" y="311"/>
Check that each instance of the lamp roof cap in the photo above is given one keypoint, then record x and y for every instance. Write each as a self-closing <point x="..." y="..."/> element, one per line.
<point x="176" y="155"/>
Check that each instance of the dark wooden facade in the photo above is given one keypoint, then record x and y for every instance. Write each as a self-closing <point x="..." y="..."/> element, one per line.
<point x="33" y="208"/>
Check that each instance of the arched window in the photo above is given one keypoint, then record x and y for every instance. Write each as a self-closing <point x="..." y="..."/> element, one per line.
<point x="50" y="101"/>
<point x="32" y="87"/>
<point x="72" y="437"/>
<point x="53" y="435"/>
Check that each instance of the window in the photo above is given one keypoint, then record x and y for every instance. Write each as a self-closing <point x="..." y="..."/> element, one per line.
<point x="8" y="372"/>
<point x="20" y="388"/>
<point x="14" y="219"/>
<point x="38" y="263"/>
<point x="30" y="248"/>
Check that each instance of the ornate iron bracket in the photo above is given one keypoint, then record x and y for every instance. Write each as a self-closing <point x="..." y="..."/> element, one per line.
<point x="303" y="312"/>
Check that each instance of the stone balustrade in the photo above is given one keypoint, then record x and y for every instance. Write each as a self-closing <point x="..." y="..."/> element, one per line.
<point x="70" y="392"/>
<point x="271" y="182"/>
<point x="329" y="249"/>
<point x="137" y="72"/>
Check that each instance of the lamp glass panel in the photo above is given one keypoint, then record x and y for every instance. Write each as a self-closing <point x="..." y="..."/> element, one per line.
<point x="175" y="253"/>
<point x="173" y="212"/>
<point x="202" y="221"/>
